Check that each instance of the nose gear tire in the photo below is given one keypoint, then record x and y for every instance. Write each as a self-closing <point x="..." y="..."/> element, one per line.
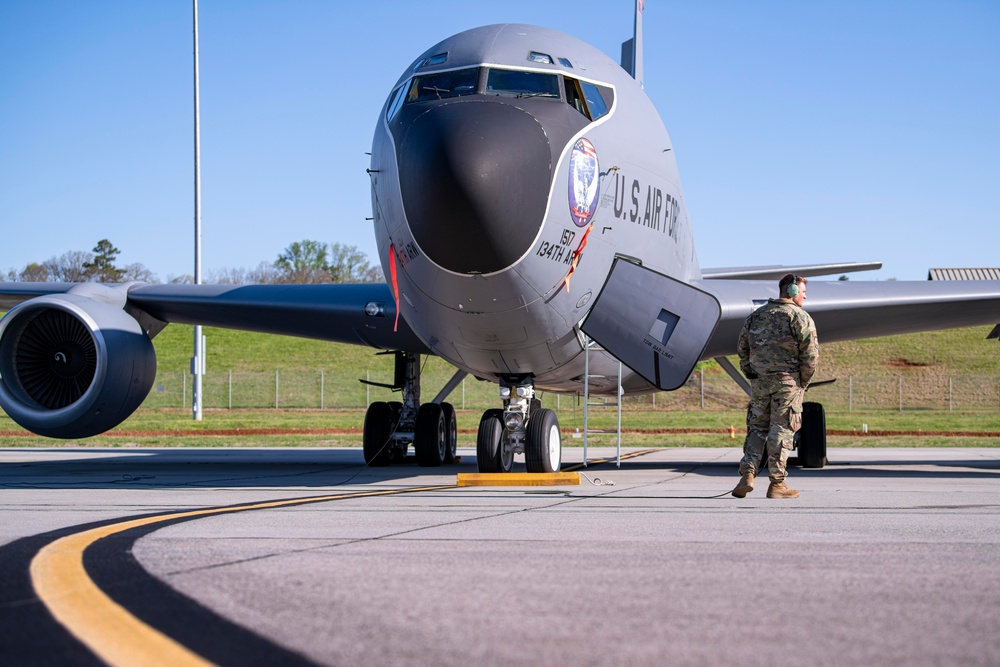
<point x="489" y="443"/>
<point x="543" y="450"/>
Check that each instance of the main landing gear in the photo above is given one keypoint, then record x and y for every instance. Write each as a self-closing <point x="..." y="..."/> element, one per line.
<point x="390" y="427"/>
<point x="523" y="426"/>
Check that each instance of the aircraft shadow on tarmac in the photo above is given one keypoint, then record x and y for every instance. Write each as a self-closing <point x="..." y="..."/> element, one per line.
<point x="194" y="468"/>
<point x="958" y="468"/>
<point x="322" y="468"/>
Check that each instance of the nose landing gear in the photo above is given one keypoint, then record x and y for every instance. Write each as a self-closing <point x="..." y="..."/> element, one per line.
<point x="523" y="426"/>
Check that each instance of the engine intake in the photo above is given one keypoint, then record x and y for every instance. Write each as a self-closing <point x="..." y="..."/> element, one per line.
<point x="72" y="367"/>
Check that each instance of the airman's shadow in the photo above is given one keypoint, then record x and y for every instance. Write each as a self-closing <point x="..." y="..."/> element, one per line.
<point x="847" y="469"/>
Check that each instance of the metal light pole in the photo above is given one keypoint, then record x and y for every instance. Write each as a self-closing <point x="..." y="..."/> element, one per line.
<point x="198" y="361"/>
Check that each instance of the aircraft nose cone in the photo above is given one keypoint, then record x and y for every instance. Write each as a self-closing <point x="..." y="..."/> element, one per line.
<point x="474" y="178"/>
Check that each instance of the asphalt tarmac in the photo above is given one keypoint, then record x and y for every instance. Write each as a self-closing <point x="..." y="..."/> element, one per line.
<point x="305" y="556"/>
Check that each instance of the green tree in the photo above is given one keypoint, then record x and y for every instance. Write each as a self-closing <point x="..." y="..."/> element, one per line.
<point x="303" y="262"/>
<point x="34" y="273"/>
<point x="102" y="268"/>
<point x="348" y="264"/>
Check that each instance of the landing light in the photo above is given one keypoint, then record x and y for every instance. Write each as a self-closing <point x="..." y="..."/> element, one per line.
<point x="373" y="309"/>
<point x="513" y="421"/>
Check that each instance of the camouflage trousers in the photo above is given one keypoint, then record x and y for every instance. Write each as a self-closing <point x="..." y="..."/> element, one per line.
<point x="773" y="416"/>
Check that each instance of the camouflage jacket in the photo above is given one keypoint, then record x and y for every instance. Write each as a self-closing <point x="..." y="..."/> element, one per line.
<point x="779" y="337"/>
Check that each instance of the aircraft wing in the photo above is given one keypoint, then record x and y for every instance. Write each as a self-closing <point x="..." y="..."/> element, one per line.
<point x="12" y="294"/>
<point x="777" y="272"/>
<point x="848" y="310"/>
<point x="77" y="359"/>
<point x="326" y="312"/>
<point x="661" y="327"/>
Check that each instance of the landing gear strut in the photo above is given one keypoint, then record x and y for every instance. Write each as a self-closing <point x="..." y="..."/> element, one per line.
<point x="391" y="427"/>
<point x="523" y="426"/>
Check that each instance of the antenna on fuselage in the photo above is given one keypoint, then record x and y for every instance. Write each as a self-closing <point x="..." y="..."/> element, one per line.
<point x="632" y="49"/>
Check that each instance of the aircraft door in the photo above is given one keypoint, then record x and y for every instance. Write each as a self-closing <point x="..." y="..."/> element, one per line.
<point x="656" y="325"/>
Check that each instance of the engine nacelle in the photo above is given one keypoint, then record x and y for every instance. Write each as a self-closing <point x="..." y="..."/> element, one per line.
<point x="72" y="366"/>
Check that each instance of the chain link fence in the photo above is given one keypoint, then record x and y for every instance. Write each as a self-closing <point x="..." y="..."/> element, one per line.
<point x="855" y="393"/>
<point x="327" y="390"/>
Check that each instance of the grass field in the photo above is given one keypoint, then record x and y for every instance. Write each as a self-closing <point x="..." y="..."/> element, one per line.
<point x="915" y="360"/>
<point x="953" y="351"/>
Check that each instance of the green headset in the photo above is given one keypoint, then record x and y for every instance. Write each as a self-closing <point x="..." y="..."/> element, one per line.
<point x="792" y="290"/>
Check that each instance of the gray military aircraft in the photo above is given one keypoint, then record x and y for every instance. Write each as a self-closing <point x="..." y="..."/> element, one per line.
<point x="526" y="200"/>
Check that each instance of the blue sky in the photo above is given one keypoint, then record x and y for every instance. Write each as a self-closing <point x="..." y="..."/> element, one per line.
<point x="804" y="131"/>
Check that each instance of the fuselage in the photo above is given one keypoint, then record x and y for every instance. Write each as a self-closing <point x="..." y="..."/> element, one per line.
<point x="507" y="159"/>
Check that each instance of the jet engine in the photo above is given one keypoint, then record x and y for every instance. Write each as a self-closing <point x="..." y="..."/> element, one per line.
<point x="72" y="366"/>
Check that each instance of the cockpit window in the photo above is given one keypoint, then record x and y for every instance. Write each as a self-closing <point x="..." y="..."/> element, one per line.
<point x="440" y="85"/>
<point x="397" y="101"/>
<point x="595" y="100"/>
<point x="590" y="100"/>
<point x="436" y="59"/>
<point x="574" y="96"/>
<point x="522" y="84"/>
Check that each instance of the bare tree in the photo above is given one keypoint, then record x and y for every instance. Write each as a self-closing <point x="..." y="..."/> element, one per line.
<point x="138" y="273"/>
<point x="264" y="274"/>
<point x="69" y="267"/>
<point x="52" y="269"/>
<point x="374" y="275"/>
<point x="77" y="266"/>
<point x="227" y="276"/>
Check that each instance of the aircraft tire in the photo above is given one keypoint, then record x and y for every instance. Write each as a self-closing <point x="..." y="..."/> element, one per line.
<point x="543" y="449"/>
<point x="451" y="431"/>
<point x="430" y="436"/>
<point x="812" y="440"/>
<point x="489" y="441"/>
<point x="379" y="422"/>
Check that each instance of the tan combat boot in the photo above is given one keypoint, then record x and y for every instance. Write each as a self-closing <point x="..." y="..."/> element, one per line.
<point x="745" y="486"/>
<point x="780" y="490"/>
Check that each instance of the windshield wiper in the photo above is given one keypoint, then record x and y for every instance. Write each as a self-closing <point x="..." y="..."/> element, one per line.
<point x="436" y="90"/>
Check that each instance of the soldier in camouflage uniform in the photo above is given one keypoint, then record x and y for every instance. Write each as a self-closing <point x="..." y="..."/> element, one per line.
<point x="778" y="352"/>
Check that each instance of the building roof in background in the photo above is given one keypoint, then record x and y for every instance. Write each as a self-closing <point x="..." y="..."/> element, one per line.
<point x="963" y="274"/>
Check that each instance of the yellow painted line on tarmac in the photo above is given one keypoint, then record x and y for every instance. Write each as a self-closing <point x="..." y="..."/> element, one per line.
<point x="566" y="477"/>
<point x="104" y="626"/>
<point x="518" y="478"/>
<point x="594" y="462"/>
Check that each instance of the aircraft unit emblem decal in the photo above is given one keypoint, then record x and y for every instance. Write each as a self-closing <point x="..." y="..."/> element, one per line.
<point x="584" y="183"/>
